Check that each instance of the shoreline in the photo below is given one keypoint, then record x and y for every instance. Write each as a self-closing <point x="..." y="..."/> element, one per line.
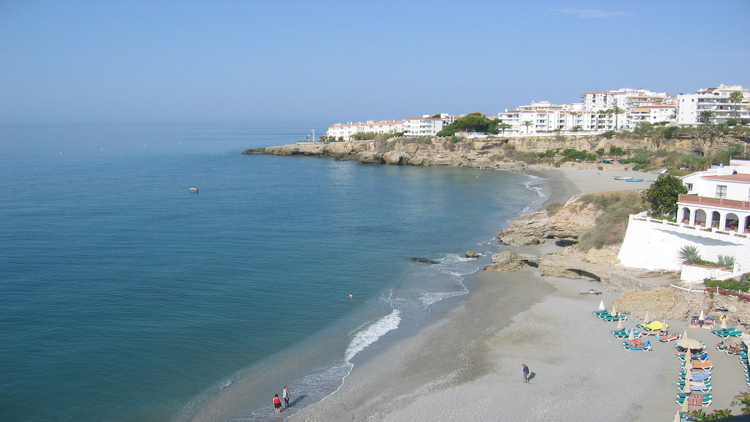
<point x="370" y="390"/>
<point x="442" y="371"/>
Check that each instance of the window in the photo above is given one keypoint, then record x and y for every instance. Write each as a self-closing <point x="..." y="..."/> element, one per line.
<point x="721" y="191"/>
<point x="689" y="186"/>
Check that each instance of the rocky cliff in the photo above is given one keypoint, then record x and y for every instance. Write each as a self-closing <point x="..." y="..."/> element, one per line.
<point x="491" y="152"/>
<point x="568" y="223"/>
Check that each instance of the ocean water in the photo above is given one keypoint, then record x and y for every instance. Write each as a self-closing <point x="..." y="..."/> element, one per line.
<point x="124" y="297"/>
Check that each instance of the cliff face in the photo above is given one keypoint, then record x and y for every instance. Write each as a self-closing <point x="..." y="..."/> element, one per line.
<point x="568" y="223"/>
<point x="494" y="152"/>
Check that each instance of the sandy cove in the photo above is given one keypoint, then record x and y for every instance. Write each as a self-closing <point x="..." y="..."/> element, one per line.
<point x="467" y="365"/>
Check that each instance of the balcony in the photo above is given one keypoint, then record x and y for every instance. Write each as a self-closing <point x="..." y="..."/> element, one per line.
<point x="714" y="202"/>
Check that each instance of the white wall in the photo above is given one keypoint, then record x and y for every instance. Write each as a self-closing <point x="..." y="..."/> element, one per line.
<point x="655" y="246"/>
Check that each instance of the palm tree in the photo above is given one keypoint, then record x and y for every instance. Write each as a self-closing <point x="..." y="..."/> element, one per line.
<point x="736" y="98"/>
<point x="503" y="126"/>
<point x="706" y="115"/>
<point x="617" y="110"/>
<point x="527" y="123"/>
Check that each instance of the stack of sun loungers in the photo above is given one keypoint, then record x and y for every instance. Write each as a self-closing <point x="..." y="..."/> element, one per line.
<point x="698" y="377"/>
<point x="727" y="332"/>
<point x="606" y="316"/>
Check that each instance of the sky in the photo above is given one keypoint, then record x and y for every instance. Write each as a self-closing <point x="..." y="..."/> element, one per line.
<point x="248" y="62"/>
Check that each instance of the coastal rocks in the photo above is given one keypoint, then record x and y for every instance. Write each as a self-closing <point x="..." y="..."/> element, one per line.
<point x="424" y="261"/>
<point x="528" y="229"/>
<point x="506" y="261"/>
<point x="472" y="254"/>
<point x="370" y="157"/>
<point x="396" y="157"/>
<point x="661" y="303"/>
<point x="605" y="256"/>
<point x="611" y="279"/>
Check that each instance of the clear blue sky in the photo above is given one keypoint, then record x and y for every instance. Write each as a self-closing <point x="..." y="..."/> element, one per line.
<point x="323" y="61"/>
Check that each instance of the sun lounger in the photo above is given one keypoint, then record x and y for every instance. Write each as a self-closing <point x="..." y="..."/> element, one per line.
<point x="621" y="334"/>
<point x="668" y="337"/>
<point x="651" y="326"/>
<point x="704" y="400"/>
<point x="696" y="375"/>
<point x="645" y="347"/>
<point x="701" y="357"/>
<point x="696" y="386"/>
<point x="727" y="332"/>
<point x="706" y="365"/>
<point x="617" y="317"/>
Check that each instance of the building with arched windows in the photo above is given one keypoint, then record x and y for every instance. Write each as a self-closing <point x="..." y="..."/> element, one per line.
<point x="714" y="217"/>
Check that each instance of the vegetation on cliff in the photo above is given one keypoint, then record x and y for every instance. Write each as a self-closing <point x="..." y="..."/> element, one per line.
<point x="611" y="224"/>
<point x="472" y="122"/>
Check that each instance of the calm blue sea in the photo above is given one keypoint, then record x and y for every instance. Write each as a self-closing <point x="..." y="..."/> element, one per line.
<point x="124" y="297"/>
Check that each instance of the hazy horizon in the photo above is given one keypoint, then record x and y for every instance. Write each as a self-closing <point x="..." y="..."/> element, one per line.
<point x="86" y="62"/>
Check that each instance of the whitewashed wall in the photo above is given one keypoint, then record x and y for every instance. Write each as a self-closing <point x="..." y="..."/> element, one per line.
<point x="655" y="246"/>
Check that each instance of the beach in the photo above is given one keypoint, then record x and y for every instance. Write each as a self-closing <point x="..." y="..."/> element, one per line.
<point x="467" y="364"/>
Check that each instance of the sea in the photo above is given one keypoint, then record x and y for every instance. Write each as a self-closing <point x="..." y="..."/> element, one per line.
<point x="126" y="297"/>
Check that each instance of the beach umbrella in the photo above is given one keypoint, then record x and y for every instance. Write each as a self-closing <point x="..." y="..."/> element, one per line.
<point x="677" y="417"/>
<point x="631" y="336"/>
<point x="601" y="306"/>
<point x="619" y="324"/>
<point x="689" y="343"/>
<point x="614" y="311"/>
<point x="702" y="317"/>
<point x="724" y="323"/>
<point x="646" y="319"/>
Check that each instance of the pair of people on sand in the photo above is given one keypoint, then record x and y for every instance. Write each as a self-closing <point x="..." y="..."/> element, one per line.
<point x="277" y="400"/>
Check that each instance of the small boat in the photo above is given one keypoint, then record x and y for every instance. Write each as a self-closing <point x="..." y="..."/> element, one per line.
<point x="623" y="178"/>
<point x="194" y="190"/>
<point x="634" y="180"/>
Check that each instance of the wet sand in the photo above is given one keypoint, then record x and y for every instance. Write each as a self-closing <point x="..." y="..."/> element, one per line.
<point x="467" y="365"/>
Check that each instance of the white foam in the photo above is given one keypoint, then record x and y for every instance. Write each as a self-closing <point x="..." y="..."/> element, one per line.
<point x="372" y="333"/>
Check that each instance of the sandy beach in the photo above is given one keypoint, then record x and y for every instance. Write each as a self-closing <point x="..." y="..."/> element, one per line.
<point x="467" y="365"/>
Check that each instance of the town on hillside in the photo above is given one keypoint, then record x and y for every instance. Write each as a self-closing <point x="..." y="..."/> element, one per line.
<point x="597" y="112"/>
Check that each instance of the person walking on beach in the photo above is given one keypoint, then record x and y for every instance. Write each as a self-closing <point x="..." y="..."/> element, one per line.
<point x="277" y="403"/>
<point x="525" y="373"/>
<point x="285" y="395"/>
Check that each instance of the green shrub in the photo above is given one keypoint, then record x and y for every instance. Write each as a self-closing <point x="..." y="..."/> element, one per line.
<point x="610" y="226"/>
<point x="730" y="284"/>
<point x="690" y="254"/>
<point x="725" y="261"/>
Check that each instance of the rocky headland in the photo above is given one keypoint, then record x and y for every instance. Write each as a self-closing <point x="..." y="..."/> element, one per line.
<point x="490" y="152"/>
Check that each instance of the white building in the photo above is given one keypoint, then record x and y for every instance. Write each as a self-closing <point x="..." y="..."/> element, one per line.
<point x="344" y="131"/>
<point x="422" y="126"/>
<point x="717" y="101"/>
<point x="714" y="217"/>
<point x="598" y="112"/>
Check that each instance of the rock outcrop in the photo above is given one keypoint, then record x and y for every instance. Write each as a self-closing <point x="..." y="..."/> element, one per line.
<point x="472" y="254"/>
<point x="569" y="222"/>
<point x="506" y="261"/>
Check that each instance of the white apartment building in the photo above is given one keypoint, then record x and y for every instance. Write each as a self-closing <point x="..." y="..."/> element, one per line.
<point x="599" y="111"/>
<point x="344" y="131"/>
<point x="651" y="114"/>
<point x="422" y="126"/>
<point x="718" y="101"/>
